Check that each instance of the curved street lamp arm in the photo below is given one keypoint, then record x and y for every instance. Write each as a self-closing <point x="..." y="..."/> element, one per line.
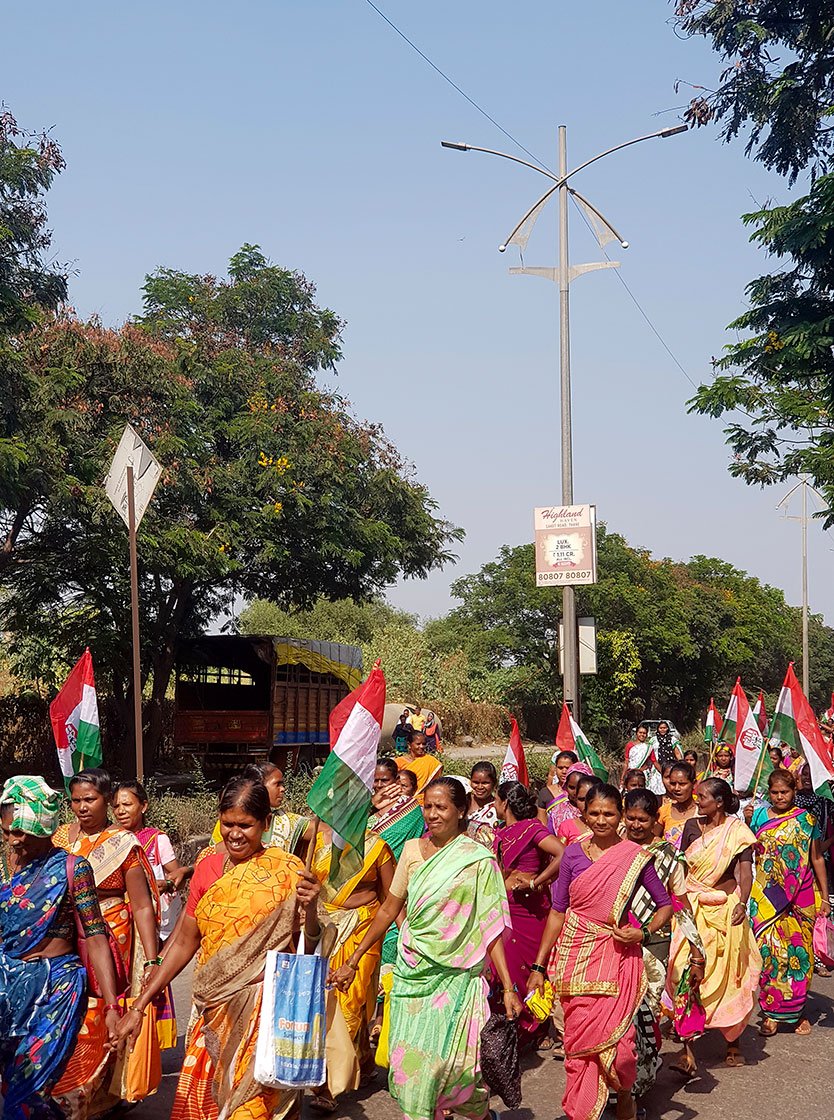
<point x="503" y="155"/>
<point x="600" y="215"/>
<point x="557" y="182"/>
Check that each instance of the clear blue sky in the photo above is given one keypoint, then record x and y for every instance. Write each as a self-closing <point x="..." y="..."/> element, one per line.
<point x="311" y="129"/>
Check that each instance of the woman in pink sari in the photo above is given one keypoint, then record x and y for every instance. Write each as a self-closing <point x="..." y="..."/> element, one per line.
<point x="566" y="809"/>
<point x="599" y="976"/>
<point x="529" y="859"/>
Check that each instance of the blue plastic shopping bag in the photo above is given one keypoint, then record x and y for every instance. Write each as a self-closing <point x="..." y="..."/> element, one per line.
<point x="291" y="1033"/>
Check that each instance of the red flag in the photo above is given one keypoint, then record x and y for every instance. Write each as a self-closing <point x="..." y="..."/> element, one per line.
<point x="829" y="714"/>
<point x="514" y="768"/>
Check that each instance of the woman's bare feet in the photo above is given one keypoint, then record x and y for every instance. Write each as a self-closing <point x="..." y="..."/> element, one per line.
<point x="768" y="1028"/>
<point x="803" y="1027"/>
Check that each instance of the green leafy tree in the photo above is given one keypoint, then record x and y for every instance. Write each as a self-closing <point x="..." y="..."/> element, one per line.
<point x="271" y="489"/>
<point x="777" y="81"/>
<point x="669" y="635"/>
<point x="28" y="283"/>
<point x="776" y="385"/>
<point x="326" y="621"/>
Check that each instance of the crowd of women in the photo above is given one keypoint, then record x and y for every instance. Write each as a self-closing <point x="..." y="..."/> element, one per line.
<point x="589" y="914"/>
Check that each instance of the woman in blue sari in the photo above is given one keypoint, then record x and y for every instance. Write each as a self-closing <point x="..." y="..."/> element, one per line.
<point x="42" y="981"/>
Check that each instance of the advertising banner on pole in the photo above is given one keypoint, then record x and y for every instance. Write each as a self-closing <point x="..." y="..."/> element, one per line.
<point x="566" y="545"/>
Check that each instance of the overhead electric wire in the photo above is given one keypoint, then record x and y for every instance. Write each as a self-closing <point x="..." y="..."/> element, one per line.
<point x="541" y="163"/>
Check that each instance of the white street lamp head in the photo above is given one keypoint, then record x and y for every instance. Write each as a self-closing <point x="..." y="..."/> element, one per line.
<point x="457" y="147"/>
<point x="673" y="131"/>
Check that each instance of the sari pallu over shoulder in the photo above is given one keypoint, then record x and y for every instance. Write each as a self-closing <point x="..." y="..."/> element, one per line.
<point x="601" y="982"/>
<point x="733" y="961"/>
<point x="248" y="910"/>
<point x="42" y="1002"/>
<point x="456" y="908"/>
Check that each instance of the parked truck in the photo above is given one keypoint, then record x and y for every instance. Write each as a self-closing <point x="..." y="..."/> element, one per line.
<point x="258" y="698"/>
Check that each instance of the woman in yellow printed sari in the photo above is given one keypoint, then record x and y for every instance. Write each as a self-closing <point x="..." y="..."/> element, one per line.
<point x="242" y="902"/>
<point x="718" y="849"/>
<point x="352" y="908"/>
<point x="94" y="1080"/>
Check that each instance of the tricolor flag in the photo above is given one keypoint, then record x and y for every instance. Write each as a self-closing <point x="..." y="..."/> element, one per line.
<point x="570" y="737"/>
<point x="760" y="713"/>
<point x="514" y="768"/>
<point x="749" y="741"/>
<point x="794" y="724"/>
<point x="727" y="732"/>
<point x="712" y="727"/>
<point x="341" y="794"/>
<point x="74" y="717"/>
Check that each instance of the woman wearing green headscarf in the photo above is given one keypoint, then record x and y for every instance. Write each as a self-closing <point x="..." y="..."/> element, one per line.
<point x="44" y="897"/>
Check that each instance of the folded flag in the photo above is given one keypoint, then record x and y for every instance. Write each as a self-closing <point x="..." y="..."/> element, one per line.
<point x="341" y="794"/>
<point x="712" y="727"/>
<point x="760" y="713"/>
<point x="570" y="737"/>
<point x="514" y="767"/>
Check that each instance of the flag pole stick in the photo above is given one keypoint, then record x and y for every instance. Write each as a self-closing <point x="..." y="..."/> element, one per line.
<point x="311" y="846"/>
<point x="134" y="617"/>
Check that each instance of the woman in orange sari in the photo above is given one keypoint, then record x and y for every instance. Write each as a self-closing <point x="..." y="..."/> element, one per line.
<point x="95" y="1080"/>
<point x="599" y="976"/>
<point x="242" y="902"/>
<point x="352" y="908"/>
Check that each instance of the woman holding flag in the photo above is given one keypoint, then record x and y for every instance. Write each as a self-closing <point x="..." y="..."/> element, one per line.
<point x="352" y="902"/>
<point x="783" y="906"/>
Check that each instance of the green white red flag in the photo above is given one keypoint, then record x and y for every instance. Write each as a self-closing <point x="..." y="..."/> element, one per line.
<point x="570" y="737"/>
<point x="514" y="767"/>
<point x="760" y="713"/>
<point x="712" y="725"/>
<point x="74" y="717"/>
<point x="341" y="794"/>
<point x="794" y="723"/>
<point x="749" y="741"/>
<point x="727" y="732"/>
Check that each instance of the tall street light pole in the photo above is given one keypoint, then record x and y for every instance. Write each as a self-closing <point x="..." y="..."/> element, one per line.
<point x="563" y="275"/>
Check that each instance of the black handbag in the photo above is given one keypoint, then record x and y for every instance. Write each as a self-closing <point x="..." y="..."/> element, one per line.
<point x="499" y="1058"/>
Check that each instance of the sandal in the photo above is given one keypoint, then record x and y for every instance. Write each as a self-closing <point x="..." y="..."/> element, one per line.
<point x="734" y="1058"/>
<point x="803" y="1028"/>
<point x="768" y="1028"/>
<point x="322" y="1104"/>
<point x="683" y="1067"/>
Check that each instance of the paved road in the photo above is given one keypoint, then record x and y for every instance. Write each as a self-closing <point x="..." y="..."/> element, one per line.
<point x="785" y="1076"/>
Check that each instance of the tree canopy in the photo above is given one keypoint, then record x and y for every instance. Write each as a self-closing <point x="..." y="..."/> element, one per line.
<point x="669" y="635"/>
<point x="271" y="487"/>
<point x="777" y="81"/>
<point x="28" y="283"/>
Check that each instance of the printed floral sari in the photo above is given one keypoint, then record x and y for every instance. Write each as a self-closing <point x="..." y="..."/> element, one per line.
<point x="783" y="909"/>
<point x="42" y="1002"/>
<point x="733" y="962"/>
<point x="601" y="982"/>
<point x="246" y="911"/>
<point x="93" y="1081"/>
<point x="456" y="908"/>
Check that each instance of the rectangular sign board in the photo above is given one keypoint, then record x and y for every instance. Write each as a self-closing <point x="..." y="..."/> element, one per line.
<point x="566" y="545"/>
<point x="134" y="452"/>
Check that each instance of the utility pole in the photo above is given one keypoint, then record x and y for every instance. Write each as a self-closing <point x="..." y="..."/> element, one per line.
<point x="805" y="486"/>
<point x="570" y="668"/>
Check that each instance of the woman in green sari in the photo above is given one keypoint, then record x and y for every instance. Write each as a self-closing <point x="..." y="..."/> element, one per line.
<point x="456" y="912"/>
